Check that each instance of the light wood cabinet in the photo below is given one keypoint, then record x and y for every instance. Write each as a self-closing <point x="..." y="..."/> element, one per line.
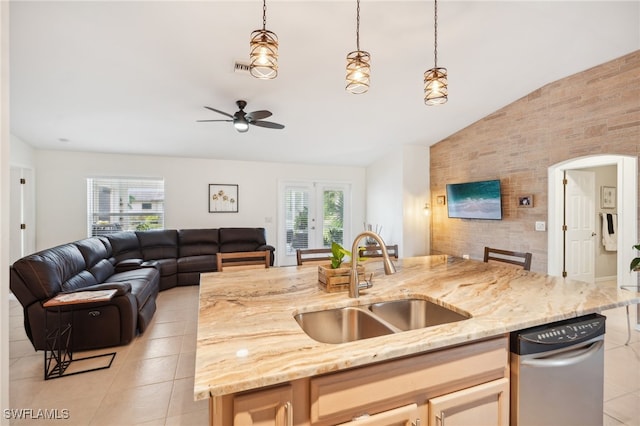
<point x="482" y="405"/>
<point x="463" y="382"/>
<point x="270" y="407"/>
<point x="409" y="415"/>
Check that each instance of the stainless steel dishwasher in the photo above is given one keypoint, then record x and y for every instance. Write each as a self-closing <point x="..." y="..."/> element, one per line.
<point x="557" y="373"/>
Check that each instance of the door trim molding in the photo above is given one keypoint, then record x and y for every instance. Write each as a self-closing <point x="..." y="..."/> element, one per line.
<point x="627" y="202"/>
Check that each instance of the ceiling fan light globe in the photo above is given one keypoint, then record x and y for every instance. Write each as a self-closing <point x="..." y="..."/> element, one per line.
<point x="241" y="125"/>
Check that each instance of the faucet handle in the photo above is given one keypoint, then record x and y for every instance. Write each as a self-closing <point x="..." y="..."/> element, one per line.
<point x="366" y="283"/>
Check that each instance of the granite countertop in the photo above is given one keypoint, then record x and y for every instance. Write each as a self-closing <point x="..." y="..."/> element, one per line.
<point x="248" y="338"/>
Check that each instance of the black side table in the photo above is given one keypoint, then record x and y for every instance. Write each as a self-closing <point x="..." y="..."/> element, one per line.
<point x="58" y="353"/>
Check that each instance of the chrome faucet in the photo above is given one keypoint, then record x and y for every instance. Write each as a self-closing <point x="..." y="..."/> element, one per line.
<point x="389" y="268"/>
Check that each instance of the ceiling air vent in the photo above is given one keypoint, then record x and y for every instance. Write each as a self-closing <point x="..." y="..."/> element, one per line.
<point x="241" y="68"/>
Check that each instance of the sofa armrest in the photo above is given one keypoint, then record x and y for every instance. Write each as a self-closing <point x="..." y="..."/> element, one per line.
<point x="122" y="288"/>
<point x="128" y="265"/>
<point x="264" y="247"/>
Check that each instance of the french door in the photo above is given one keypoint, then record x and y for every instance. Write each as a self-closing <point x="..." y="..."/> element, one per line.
<point x="311" y="215"/>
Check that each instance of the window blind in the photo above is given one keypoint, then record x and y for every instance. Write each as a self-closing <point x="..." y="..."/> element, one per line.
<point x="124" y="204"/>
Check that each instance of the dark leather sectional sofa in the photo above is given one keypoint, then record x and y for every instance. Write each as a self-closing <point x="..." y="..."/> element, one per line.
<point x="137" y="264"/>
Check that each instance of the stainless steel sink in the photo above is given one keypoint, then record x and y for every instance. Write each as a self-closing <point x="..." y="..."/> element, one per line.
<point x="410" y="314"/>
<point x="341" y="325"/>
<point x="347" y="324"/>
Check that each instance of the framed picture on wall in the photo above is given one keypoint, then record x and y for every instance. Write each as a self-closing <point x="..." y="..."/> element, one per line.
<point x="223" y="198"/>
<point x="525" y="200"/>
<point x="608" y="197"/>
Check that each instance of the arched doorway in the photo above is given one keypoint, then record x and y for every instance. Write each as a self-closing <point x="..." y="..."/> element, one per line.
<point x="627" y="203"/>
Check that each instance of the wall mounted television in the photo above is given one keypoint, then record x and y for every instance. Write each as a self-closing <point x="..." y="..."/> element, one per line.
<point x="475" y="200"/>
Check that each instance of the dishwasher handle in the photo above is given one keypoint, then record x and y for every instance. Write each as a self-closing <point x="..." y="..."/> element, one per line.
<point x="580" y="355"/>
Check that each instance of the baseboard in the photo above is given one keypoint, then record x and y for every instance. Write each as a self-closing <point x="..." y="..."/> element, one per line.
<point x="611" y="278"/>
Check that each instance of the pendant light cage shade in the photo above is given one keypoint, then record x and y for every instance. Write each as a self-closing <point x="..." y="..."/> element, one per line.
<point x="358" y="71"/>
<point x="436" y="91"/>
<point x="264" y="54"/>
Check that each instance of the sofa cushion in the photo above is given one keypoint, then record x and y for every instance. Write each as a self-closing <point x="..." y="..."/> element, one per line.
<point x="161" y="244"/>
<point x="125" y="245"/>
<point x="102" y="270"/>
<point x="80" y="280"/>
<point x="197" y="242"/>
<point x="93" y="251"/>
<point x="241" y="239"/>
<point x="144" y="283"/>
<point x="205" y="263"/>
<point x="47" y="270"/>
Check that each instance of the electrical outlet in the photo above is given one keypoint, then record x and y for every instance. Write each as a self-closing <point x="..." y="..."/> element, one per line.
<point x="541" y="226"/>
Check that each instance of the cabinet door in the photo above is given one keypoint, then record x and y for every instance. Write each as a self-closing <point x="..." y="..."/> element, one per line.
<point x="270" y="407"/>
<point x="482" y="405"/>
<point x="401" y="416"/>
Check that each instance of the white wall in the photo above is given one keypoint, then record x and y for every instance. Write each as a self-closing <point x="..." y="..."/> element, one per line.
<point x="397" y="190"/>
<point x="416" y="229"/>
<point x="4" y="208"/>
<point x="606" y="261"/>
<point x="385" y="198"/>
<point x="61" y="194"/>
<point x="22" y="154"/>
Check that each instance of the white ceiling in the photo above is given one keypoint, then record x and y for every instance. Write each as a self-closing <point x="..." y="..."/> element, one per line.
<point x="133" y="77"/>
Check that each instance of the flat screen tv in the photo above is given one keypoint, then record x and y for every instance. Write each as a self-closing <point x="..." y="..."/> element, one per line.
<point x="474" y="200"/>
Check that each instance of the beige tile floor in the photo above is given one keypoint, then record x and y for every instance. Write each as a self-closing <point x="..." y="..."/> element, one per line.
<point x="151" y="379"/>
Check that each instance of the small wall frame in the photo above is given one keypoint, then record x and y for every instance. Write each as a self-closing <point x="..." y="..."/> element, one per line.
<point x="608" y="197"/>
<point x="525" y="200"/>
<point x="223" y="198"/>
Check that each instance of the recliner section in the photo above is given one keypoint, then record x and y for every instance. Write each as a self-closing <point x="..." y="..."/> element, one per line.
<point x="137" y="264"/>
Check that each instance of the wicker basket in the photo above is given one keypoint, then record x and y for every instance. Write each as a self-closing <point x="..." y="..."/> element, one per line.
<point x="333" y="280"/>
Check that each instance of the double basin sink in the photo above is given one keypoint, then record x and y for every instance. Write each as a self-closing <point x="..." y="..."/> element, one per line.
<point x="351" y="323"/>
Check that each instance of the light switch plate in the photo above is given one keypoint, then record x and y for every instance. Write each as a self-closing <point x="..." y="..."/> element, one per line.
<point x="541" y="226"/>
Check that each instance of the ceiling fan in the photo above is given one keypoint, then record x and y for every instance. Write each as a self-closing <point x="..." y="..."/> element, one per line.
<point x="241" y="119"/>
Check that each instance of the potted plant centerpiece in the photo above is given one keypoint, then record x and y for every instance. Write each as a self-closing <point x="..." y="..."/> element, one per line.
<point x="335" y="276"/>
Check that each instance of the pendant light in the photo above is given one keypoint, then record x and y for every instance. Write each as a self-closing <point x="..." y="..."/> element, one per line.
<point x="264" y="50"/>
<point x="358" y="64"/>
<point x="436" y="89"/>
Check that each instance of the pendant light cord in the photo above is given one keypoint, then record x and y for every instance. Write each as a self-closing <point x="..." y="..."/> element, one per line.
<point x="358" y="25"/>
<point x="435" y="31"/>
<point x="264" y="15"/>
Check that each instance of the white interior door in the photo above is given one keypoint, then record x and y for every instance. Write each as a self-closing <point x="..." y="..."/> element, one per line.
<point x="580" y="216"/>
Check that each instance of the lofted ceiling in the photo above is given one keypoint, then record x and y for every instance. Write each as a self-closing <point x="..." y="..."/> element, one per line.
<point x="133" y="77"/>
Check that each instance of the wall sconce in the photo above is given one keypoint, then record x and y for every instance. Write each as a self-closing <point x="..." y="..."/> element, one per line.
<point x="427" y="209"/>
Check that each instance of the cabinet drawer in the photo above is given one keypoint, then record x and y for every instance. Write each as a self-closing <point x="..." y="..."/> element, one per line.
<point x="401" y="416"/>
<point x="374" y="388"/>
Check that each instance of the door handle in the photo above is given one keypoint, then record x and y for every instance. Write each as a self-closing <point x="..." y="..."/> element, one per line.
<point x="593" y="234"/>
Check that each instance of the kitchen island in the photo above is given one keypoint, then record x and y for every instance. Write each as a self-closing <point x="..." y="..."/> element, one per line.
<point x="248" y="338"/>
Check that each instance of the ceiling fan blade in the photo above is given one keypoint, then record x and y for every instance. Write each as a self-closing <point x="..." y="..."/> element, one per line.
<point x="258" y="115"/>
<point x="219" y="112"/>
<point x="202" y="121"/>
<point x="267" y="124"/>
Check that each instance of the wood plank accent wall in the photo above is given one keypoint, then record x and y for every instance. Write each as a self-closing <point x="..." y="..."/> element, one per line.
<point x="596" y="111"/>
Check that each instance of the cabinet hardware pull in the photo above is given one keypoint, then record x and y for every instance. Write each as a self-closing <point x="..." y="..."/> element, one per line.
<point x="441" y="418"/>
<point x="416" y="423"/>
<point x="288" y="412"/>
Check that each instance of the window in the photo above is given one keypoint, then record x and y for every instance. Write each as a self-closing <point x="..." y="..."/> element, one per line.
<point x="124" y="204"/>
